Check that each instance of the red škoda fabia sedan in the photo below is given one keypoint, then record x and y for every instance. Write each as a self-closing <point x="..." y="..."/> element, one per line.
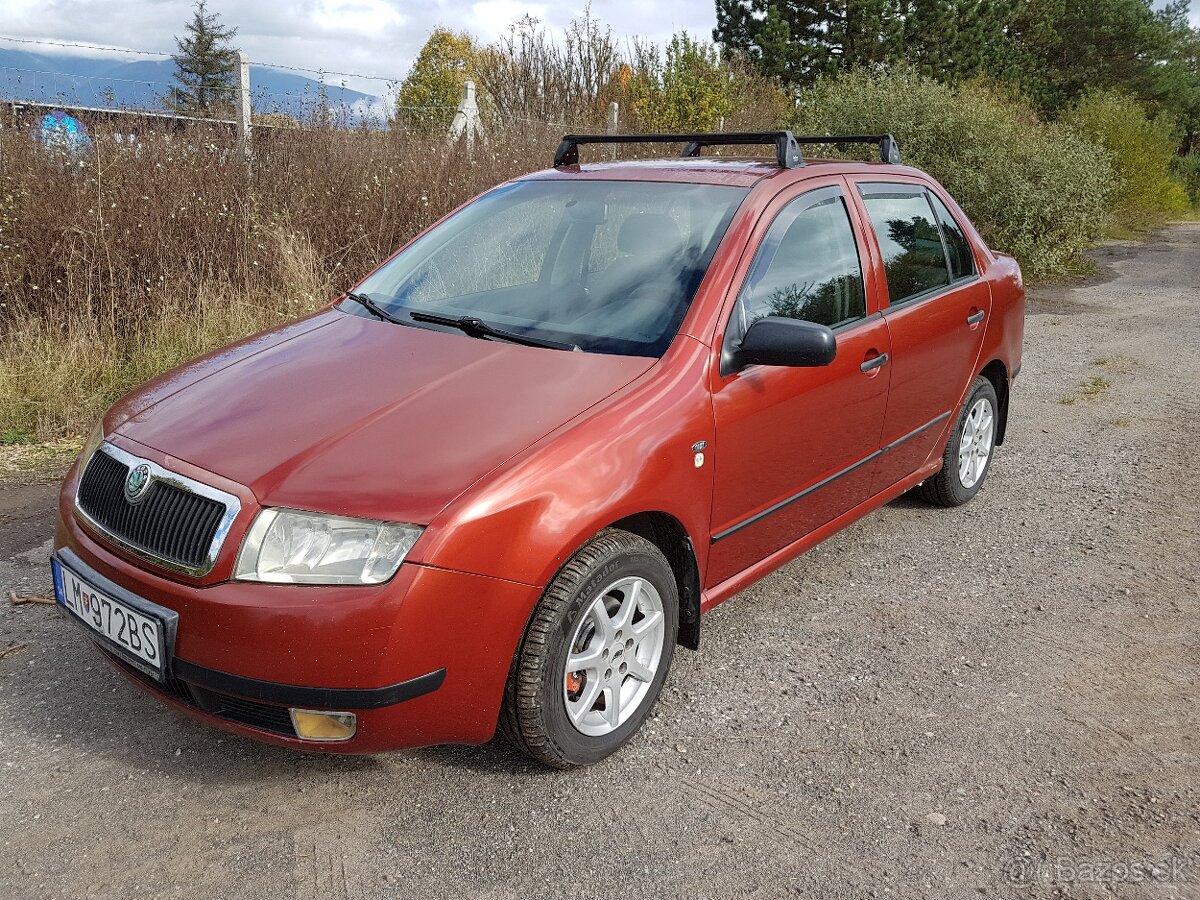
<point x="496" y="484"/>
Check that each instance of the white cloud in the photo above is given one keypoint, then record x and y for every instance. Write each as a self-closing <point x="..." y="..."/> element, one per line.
<point x="493" y="17"/>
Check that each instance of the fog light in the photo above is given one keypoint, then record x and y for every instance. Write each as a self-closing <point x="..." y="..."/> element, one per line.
<point x="315" y="725"/>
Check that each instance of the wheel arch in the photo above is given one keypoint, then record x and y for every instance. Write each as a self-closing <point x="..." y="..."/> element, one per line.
<point x="997" y="373"/>
<point x="668" y="534"/>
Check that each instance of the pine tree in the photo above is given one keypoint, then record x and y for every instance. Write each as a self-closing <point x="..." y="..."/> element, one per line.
<point x="950" y="40"/>
<point x="205" y="66"/>
<point x="1069" y="48"/>
<point x="785" y="40"/>
<point x="800" y="40"/>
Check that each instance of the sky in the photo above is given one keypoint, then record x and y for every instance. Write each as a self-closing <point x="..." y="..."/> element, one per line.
<point x="367" y="37"/>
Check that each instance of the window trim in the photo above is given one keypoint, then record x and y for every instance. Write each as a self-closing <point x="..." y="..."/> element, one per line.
<point x="974" y="273"/>
<point x="812" y="198"/>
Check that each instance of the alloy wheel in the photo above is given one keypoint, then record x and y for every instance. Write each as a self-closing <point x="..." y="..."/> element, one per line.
<point x="975" y="445"/>
<point x="613" y="656"/>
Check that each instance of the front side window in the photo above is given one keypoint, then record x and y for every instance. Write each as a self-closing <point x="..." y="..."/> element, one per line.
<point x="608" y="266"/>
<point x="914" y="259"/>
<point x="807" y="266"/>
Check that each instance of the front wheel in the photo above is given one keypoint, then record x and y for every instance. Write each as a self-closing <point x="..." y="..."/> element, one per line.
<point x="968" y="453"/>
<point x="595" y="654"/>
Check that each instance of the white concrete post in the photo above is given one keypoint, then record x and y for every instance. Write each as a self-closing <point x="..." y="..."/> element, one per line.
<point x="466" y="117"/>
<point x="243" y="104"/>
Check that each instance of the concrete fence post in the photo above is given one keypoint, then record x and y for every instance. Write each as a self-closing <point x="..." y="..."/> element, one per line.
<point x="614" y="119"/>
<point x="243" y="104"/>
<point x="466" y="117"/>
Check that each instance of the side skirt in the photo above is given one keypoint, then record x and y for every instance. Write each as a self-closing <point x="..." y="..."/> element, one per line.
<point x="730" y="586"/>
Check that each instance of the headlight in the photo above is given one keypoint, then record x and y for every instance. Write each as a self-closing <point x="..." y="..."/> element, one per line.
<point x="293" y="547"/>
<point x="93" y="442"/>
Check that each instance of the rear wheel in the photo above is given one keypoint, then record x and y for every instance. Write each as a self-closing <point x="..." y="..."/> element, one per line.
<point x="968" y="453"/>
<point x="595" y="654"/>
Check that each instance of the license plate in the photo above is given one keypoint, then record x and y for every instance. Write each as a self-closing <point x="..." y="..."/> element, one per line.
<point x="139" y="636"/>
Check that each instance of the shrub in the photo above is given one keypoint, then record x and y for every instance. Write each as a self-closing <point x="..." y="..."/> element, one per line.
<point x="1141" y="150"/>
<point x="427" y="98"/>
<point x="529" y="76"/>
<point x="695" y="88"/>
<point x="1036" y="190"/>
<point x="1186" y="170"/>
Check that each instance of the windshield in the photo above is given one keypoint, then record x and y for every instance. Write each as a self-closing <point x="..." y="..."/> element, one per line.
<point x="607" y="266"/>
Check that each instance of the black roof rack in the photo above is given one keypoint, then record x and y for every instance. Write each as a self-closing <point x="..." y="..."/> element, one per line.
<point x="787" y="145"/>
<point x="889" y="150"/>
<point x="787" y="152"/>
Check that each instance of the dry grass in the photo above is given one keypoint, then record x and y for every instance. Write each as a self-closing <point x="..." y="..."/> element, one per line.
<point x="1090" y="388"/>
<point x="30" y="462"/>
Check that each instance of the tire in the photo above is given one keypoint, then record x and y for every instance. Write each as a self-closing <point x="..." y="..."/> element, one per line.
<point x="960" y="478"/>
<point x="547" y="713"/>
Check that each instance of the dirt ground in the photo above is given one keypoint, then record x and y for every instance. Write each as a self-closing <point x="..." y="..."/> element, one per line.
<point x="1001" y="700"/>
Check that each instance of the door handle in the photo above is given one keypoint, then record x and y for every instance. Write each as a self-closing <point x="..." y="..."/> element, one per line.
<point x="976" y="317"/>
<point x="874" y="362"/>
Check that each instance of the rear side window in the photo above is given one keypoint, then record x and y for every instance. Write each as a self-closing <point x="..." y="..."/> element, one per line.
<point x="962" y="262"/>
<point x="807" y="267"/>
<point x="913" y="256"/>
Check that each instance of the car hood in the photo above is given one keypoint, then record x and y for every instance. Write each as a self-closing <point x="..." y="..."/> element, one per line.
<point x="364" y="418"/>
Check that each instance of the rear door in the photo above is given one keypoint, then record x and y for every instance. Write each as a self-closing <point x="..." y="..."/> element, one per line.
<point x="795" y="447"/>
<point x="935" y="308"/>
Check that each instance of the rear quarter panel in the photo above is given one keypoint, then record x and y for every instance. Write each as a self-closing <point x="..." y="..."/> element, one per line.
<point x="1006" y="331"/>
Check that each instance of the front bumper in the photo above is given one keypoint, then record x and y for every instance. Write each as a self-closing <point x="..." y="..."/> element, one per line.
<point x="420" y="660"/>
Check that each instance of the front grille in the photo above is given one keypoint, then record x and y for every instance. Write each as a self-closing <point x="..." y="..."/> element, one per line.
<point x="170" y="522"/>
<point x="263" y="716"/>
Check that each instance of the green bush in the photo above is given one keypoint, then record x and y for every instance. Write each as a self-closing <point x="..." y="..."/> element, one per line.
<point x="1036" y="190"/>
<point x="1186" y="170"/>
<point x="691" y="90"/>
<point x="1141" y="150"/>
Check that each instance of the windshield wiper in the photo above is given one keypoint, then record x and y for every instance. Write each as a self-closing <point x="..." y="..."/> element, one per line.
<point x="374" y="308"/>
<point x="479" y="328"/>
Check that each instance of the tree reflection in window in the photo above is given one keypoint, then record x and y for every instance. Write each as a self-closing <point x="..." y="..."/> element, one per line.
<point x="831" y="302"/>
<point x="914" y="260"/>
<point x="807" y="267"/>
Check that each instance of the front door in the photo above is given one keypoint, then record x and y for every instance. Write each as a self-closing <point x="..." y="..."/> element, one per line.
<point x="795" y="447"/>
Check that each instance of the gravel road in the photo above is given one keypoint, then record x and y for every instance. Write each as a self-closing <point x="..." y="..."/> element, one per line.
<point x="1001" y="700"/>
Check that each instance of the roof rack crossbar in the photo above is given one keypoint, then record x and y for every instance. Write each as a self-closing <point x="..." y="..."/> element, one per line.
<point x="889" y="150"/>
<point x="787" y="151"/>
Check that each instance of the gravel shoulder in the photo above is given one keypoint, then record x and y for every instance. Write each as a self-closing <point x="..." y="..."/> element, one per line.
<point x="1001" y="700"/>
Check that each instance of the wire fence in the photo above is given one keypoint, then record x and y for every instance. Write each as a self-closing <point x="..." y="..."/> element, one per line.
<point x="129" y="102"/>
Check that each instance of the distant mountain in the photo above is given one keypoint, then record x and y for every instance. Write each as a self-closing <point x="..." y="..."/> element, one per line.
<point x="107" y="82"/>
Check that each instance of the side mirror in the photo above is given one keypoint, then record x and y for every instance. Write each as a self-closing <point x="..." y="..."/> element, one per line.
<point x="778" y="341"/>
